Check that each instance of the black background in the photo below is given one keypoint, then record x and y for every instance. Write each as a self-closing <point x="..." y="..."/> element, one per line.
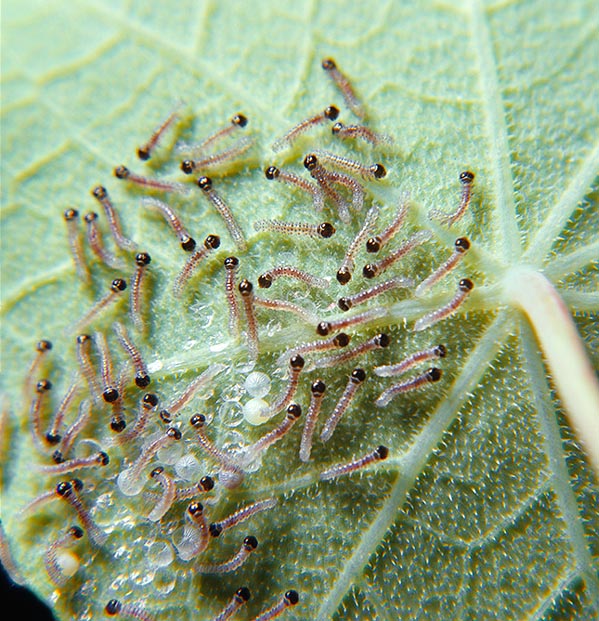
<point x="23" y="603"/>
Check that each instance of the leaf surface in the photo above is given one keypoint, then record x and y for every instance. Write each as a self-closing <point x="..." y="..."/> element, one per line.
<point x="486" y="506"/>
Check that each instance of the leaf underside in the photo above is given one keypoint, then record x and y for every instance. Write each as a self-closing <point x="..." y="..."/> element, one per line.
<point x="486" y="506"/>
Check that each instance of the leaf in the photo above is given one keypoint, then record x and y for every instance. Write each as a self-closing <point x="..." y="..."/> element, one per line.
<point x="486" y="506"/>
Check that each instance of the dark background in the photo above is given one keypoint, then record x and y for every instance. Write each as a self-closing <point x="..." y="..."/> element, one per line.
<point x="24" y="604"/>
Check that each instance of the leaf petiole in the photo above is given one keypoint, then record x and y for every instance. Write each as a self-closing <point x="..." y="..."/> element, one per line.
<point x="568" y="363"/>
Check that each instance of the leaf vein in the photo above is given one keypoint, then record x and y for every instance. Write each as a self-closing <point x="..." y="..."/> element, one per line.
<point x="561" y="212"/>
<point x="497" y="133"/>
<point x="547" y="420"/>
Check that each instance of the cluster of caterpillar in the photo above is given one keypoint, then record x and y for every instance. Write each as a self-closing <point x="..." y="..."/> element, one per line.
<point x="126" y="442"/>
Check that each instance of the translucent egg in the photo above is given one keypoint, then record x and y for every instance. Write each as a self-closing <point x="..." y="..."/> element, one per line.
<point x="257" y="384"/>
<point x="187" y="467"/>
<point x="68" y="562"/>
<point x="130" y="483"/>
<point x="257" y="412"/>
<point x="160" y="554"/>
<point x="189" y="544"/>
<point x="170" y="454"/>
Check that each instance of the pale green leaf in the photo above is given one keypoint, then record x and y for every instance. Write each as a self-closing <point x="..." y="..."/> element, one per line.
<point x="487" y="506"/>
